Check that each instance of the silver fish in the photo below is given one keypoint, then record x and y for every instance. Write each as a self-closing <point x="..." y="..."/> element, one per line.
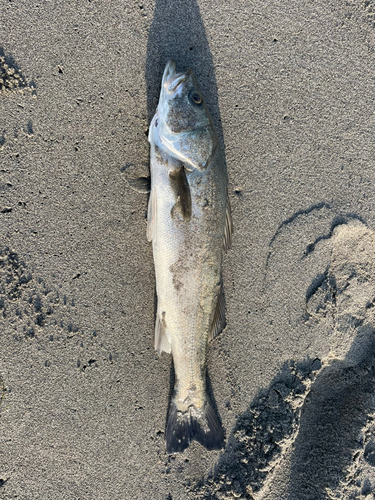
<point x="189" y="223"/>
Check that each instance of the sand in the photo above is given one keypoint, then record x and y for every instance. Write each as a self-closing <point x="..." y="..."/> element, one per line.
<point x="84" y="396"/>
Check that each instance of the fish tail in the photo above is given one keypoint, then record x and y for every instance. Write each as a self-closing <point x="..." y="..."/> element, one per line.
<point x="200" y="424"/>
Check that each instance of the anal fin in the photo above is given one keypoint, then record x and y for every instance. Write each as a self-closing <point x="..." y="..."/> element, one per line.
<point x="218" y="322"/>
<point x="162" y="343"/>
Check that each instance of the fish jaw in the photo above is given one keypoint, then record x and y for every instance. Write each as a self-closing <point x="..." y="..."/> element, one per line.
<point x="171" y="80"/>
<point x="169" y="71"/>
<point x="171" y="84"/>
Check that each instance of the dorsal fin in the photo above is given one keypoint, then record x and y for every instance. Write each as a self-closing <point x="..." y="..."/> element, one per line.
<point x="218" y="322"/>
<point x="227" y="241"/>
<point x="151" y="216"/>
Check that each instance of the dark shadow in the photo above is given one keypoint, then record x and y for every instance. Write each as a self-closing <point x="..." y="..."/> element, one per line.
<point x="172" y="381"/>
<point x="331" y="420"/>
<point x="9" y="60"/>
<point x="177" y="32"/>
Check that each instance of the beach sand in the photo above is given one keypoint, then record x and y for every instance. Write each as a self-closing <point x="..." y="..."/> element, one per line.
<point x="84" y="395"/>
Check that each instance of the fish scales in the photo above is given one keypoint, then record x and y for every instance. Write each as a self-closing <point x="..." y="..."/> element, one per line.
<point x="189" y="224"/>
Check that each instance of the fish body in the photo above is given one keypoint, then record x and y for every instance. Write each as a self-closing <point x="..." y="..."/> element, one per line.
<point x="189" y="224"/>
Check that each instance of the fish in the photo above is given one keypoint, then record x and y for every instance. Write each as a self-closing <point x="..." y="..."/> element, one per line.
<point x="190" y="225"/>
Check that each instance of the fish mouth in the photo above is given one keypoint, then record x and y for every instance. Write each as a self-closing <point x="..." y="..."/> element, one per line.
<point x="171" y="79"/>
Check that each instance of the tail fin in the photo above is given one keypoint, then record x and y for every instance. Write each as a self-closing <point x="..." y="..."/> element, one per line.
<point x="202" y="424"/>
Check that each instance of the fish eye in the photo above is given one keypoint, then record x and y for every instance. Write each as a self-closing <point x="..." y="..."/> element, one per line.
<point x="195" y="97"/>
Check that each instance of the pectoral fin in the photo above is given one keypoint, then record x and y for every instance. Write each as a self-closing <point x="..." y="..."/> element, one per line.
<point x="151" y="216"/>
<point x="218" y="322"/>
<point x="181" y="189"/>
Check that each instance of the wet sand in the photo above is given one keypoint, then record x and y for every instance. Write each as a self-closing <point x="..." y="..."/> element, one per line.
<point x="83" y="394"/>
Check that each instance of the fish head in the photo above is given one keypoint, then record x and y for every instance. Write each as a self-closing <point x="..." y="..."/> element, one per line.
<point x="185" y="127"/>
